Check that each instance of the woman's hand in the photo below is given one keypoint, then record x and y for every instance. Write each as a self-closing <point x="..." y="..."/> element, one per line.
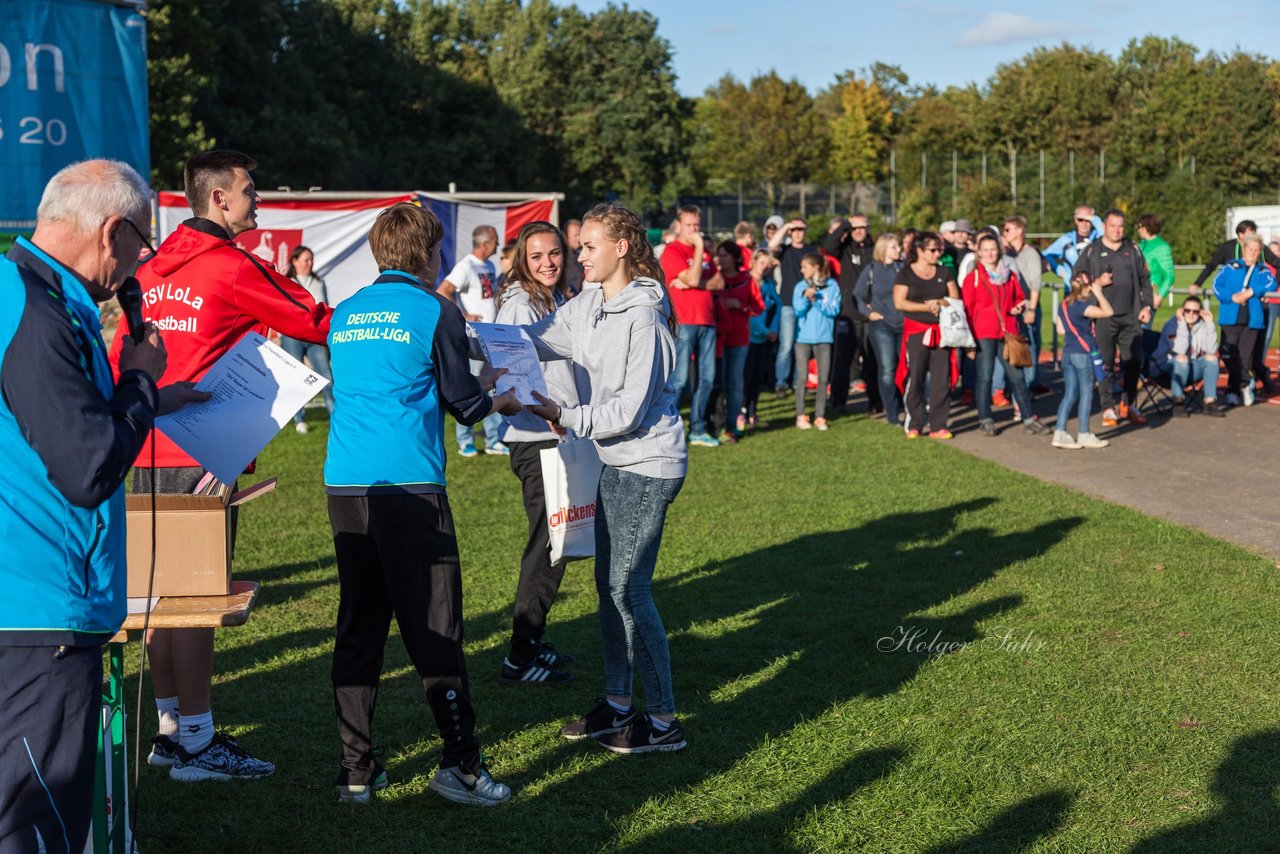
<point x="546" y="408"/>
<point x="810" y="293"/>
<point x="934" y="306"/>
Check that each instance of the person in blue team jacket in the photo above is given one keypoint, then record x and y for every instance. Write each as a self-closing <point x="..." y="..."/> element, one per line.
<point x="69" y="434"/>
<point x="1239" y="287"/>
<point x="399" y="358"/>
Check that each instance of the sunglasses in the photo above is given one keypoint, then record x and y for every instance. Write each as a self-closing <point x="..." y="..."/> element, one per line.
<point x="143" y="257"/>
<point x="1083" y="219"/>
<point x="857" y="228"/>
<point x="930" y="248"/>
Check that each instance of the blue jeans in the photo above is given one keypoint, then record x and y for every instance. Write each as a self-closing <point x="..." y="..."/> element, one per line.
<point x="630" y="512"/>
<point x="1194" y="370"/>
<point x="887" y="343"/>
<point x="492" y="423"/>
<point x="786" y="347"/>
<point x="989" y="356"/>
<point x="733" y="363"/>
<point x="1029" y="375"/>
<point x="318" y="356"/>
<point x="1077" y="390"/>
<point x="697" y="341"/>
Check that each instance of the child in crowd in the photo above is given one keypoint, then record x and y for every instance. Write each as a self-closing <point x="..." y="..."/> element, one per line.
<point x="816" y="301"/>
<point x="763" y="350"/>
<point x="538" y="285"/>
<point x="1081" y="363"/>
<point x="737" y="301"/>
<point x="619" y="332"/>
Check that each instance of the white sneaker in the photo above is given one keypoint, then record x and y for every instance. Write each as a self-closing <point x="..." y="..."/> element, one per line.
<point x="474" y="789"/>
<point x="1088" y="440"/>
<point x="1247" y="393"/>
<point x="1062" y="439"/>
<point x="301" y="427"/>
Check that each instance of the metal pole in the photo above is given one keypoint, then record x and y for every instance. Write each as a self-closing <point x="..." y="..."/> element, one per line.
<point x="1013" y="176"/>
<point x="739" y="201"/>
<point x="802" y="208"/>
<point x="984" y="168"/>
<point x="1042" y="188"/>
<point x="924" y="171"/>
<point x="954" y="200"/>
<point x="1071" y="169"/>
<point x="1102" y="166"/>
<point x="893" y="185"/>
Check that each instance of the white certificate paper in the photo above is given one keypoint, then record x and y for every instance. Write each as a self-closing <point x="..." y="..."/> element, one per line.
<point x="509" y="347"/>
<point x="257" y="388"/>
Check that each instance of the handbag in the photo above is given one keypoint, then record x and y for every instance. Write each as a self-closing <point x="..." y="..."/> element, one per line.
<point x="570" y="481"/>
<point x="953" y="329"/>
<point x="1017" y="348"/>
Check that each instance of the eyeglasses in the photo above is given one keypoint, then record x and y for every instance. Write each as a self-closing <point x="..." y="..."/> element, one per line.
<point x="146" y="244"/>
<point x="1083" y="219"/>
<point x="930" y="248"/>
<point x="857" y="228"/>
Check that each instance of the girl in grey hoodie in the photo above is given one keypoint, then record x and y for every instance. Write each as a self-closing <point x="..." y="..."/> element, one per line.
<point x="536" y="286"/>
<point x="619" y="334"/>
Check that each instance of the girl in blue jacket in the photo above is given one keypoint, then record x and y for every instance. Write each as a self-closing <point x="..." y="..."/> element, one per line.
<point x="1239" y="287"/>
<point x="816" y="301"/>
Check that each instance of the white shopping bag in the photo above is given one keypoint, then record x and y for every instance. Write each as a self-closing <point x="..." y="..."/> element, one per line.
<point x="953" y="326"/>
<point x="570" y="479"/>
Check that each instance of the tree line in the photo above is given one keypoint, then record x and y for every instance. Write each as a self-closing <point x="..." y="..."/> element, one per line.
<point x="510" y="95"/>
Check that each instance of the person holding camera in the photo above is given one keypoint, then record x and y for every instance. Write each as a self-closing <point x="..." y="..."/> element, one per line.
<point x="1083" y="304"/>
<point x="816" y="302"/>
<point x="1115" y="262"/>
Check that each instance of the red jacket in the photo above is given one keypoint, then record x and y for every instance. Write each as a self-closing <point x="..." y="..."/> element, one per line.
<point x="977" y="292"/>
<point x="204" y="293"/>
<point x="733" y="325"/>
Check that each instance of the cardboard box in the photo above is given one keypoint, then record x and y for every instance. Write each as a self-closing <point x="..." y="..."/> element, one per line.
<point x="193" y="541"/>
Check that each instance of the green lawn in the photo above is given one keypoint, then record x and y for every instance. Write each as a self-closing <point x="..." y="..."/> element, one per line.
<point x="1099" y="679"/>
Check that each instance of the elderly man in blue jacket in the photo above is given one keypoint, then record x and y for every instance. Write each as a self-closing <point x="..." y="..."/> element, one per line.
<point x="69" y="435"/>
<point x="1063" y="252"/>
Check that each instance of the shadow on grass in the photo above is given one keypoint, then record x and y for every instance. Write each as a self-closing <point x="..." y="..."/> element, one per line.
<point x="1248" y="819"/>
<point x="1016" y="828"/>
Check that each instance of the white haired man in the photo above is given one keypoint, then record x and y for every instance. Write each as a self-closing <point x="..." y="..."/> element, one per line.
<point x="69" y="434"/>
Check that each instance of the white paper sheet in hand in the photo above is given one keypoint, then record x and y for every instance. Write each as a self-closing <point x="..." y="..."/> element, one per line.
<point x="509" y="347"/>
<point x="257" y="388"/>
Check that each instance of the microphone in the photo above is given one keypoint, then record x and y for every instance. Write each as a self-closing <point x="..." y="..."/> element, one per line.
<point x="129" y="296"/>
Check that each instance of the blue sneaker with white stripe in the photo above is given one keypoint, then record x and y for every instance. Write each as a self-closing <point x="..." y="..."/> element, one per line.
<point x="536" y="672"/>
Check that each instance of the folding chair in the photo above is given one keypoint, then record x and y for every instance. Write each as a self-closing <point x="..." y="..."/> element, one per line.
<point x="1155" y="382"/>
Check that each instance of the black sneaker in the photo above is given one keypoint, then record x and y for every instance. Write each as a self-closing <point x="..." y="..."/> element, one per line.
<point x="164" y="752"/>
<point x="222" y="759"/>
<point x="1034" y="428"/>
<point x="988" y="427"/>
<point x="553" y="657"/>
<point x="601" y="720"/>
<point x="640" y="737"/>
<point x="1213" y="410"/>
<point x="536" y="672"/>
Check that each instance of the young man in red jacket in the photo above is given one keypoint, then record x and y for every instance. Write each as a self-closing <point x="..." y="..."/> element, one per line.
<point x="205" y="293"/>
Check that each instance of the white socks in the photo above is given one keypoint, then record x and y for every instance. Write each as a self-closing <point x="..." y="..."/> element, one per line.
<point x="167" y="711"/>
<point x="196" y="732"/>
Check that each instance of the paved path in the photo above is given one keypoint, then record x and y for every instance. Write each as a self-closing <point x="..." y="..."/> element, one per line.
<point x="1215" y="474"/>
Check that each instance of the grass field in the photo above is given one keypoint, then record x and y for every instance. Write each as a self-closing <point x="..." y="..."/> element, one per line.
<point x="877" y="646"/>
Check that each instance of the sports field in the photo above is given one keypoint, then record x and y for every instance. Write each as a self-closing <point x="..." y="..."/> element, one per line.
<point x="878" y="645"/>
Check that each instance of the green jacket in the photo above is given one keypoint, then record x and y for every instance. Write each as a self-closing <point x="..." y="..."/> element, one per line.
<point x="1160" y="262"/>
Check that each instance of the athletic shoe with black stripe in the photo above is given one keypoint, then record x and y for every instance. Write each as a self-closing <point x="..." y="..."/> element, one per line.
<point x="536" y="672"/>
<point x="474" y="787"/>
<point x="640" y="737"/>
<point x="361" y="793"/>
<point x="601" y="720"/>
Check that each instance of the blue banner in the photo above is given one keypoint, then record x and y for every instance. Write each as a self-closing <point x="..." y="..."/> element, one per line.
<point x="73" y="86"/>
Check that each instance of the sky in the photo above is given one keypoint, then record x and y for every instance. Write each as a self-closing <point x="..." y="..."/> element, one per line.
<point x="943" y="43"/>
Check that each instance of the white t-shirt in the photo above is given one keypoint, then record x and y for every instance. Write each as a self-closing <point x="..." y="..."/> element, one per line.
<point x="474" y="280"/>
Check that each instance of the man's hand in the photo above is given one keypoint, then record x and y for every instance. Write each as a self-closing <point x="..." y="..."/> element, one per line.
<point x="149" y="356"/>
<point x="771" y="337"/>
<point x="546" y="408"/>
<point x="1144" y="316"/>
<point x="875" y="315"/>
<point x="174" y="397"/>
<point x="489" y="377"/>
<point x="506" y="403"/>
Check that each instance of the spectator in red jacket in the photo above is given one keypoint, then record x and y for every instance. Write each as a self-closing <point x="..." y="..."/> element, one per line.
<point x="205" y="293"/>
<point x="736" y="303"/>
<point x="993" y="302"/>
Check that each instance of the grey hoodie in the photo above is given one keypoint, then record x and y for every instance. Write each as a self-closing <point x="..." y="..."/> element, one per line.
<point x="524" y="426"/>
<point x="623" y="355"/>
